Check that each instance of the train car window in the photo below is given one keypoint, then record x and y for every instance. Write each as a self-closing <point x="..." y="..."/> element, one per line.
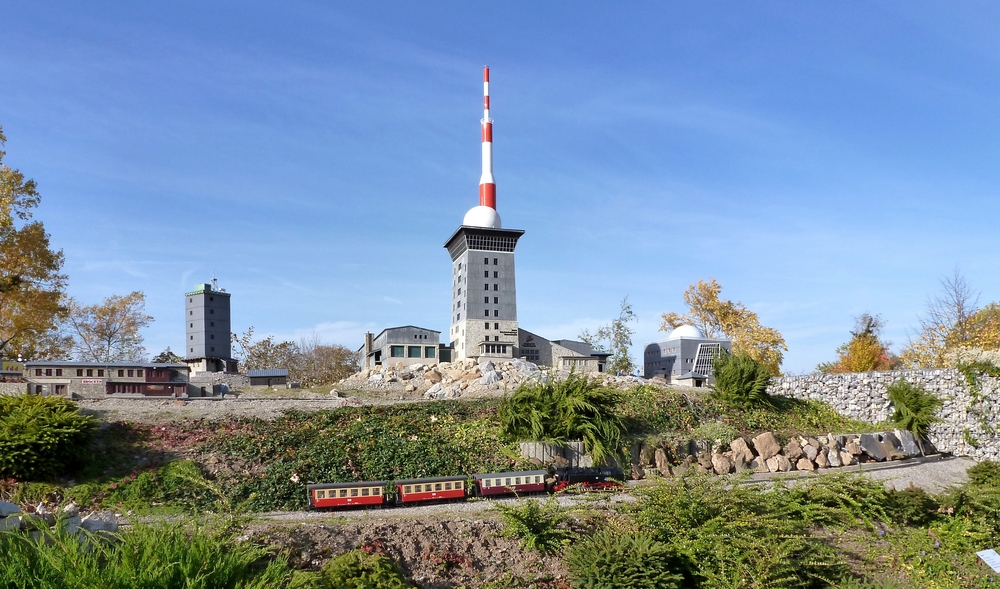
<point x="354" y="492"/>
<point x="407" y="489"/>
<point x="458" y="485"/>
<point x="507" y="482"/>
<point x="496" y="483"/>
<point x="517" y="480"/>
<point x="428" y="488"/>
<point x="364" y="492"/>
<point x="486" y="483"/>
<point x="343" y="492"/>
<point x="538" y="478"/>
<point x="321" y="494"/>
<point x="447" y="486"/>
<point x="378" y="490"/>
<point x="437" y="486"/>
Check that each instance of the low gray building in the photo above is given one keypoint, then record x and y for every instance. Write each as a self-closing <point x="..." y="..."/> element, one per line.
<point x="684" y="358"/>
<point x="406" y="345"/>
<point x="268" y="377"/>
<point x="560" y="354"/>
<point x="102" y="379"/>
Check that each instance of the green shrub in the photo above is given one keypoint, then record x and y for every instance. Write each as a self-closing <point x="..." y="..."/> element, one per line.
<point x="741" y="381"/>
<point x="42" y="437"/>
<point x="911" y="506"/>
<point x="985" y="473"/>
<point x="840" y="500"/>
<point x="540" y="526"/>
<point x="179" y="482"/>
<point x="914" y="407"/>
<point x="607" y="560"/>
<point x="559" y="411"/>
<point x="715" y="430"/>
<point x="872" y="584"/>
<point x="358" y="569"/>
<point x="151" y="557"/>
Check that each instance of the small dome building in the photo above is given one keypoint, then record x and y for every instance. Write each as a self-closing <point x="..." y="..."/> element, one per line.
<point x="684" y="358"/>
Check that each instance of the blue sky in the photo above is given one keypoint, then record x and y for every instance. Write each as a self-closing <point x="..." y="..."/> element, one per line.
<point x="819" y="161"/>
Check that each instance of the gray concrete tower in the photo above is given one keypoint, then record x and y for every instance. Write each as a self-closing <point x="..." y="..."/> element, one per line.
<point x="208" y="343"/>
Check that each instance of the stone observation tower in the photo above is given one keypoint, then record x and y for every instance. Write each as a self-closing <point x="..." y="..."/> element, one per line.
<point x="483" y="294"/>
<point x="207" y="329"/>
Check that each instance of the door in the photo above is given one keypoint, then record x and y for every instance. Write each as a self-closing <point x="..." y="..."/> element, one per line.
<point x="60" y="390"/>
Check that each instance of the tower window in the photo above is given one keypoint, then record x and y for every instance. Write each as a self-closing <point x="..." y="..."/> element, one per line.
<point x="486" y="261"/>
<point x="496" y="312"/>
<point x="496" y="326"/>
<point x="192" y="325"/>
<point x="487" y="325"/>
<point x="496" y="300"/>
<point x="496" y="338"/>
<point x="496" y="274"/>
<point x="486" y="300"/>
<point x="486" y="287"/>
<point x="495" y="261"/>
<point x="486" y="273"/>
<point x="487" y="312"/>
<point x="211" y="311"/>
<point x="496" y="287"/>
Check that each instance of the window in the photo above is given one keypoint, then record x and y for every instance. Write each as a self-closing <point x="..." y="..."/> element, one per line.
<point x="212" y="311"/>
<point x="48" y="372"/>
<point x="486" y="300"/>
<point x="486" y="287"/>
<point x="407" y="489"/>
<point x="191" y="312"/>
<point x="139" y="372"/>
<point x="496" y="326"/>
<point x="377" y="491"/>
<point x="58" y="371"/>
<point x="437" y="486"/>
<point x="354" y="492"/>
<point x="212" y="336"/>
<point x="365" y="492"/>
<point x="212" y="323"/>
<point x="192" y="325"/>
<point x="487" y="325"/>
<point x="38" y="372"/>
<point x="486" y="261"/>
<point x="343" y="492"/>
<point x="458" y="485"/>
<point x="495" y="261"/>
<point x="192" y="349"/>
<point x="131" y="373"/>
<point x="190" y="300"/>
<point x="506" y="482"/>
<point x="496" y="338"/>
<point x="496" y="274"/>
<point x="79" y="371"/>
<point x="517" y="480"/>
<point x="496" y="483"/>
<point x="496" y="287"/>
<point x="211" y="298"/>
<point x="496" y="312"/>
<point x="321" y="494"/>
<point x="396" y="351"/>
<point x="121" y="374"/>
<point x="413" y="352"/>
<point x="460" y="291"/>
<point x="487" y="312"/>
<point x="90" y="372"/>
<point x="100" y="372"/>
<point x="487" y="483"/>
<point x="486" y="273"/>
<point x="447" y="486"/>
<point x="429" y="351"/>
<point x="192" y="338"/>
<point x="496" y="300"/>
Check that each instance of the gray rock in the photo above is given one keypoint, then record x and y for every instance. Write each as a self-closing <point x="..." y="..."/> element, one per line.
<point x="376" y="378"/>
<point x="8" y="509"/>
<point x="766" y="445"/>
<point x="891" y="439"/>
<point x="99" y="521"/>
<point x="705" y="461"/>
<point x="833" y="458"/>
<point x="490" y="377"/>
<point x="433" y="391"/>
<point x="810" y="451"/>
<point x="792" y="450"/>
<point x="487" y="366"/>
<point x="758" y="465"/>
<point x="11" y="522"/>
<point x="805" y="464"/>
<point x="699" y="446"/>
<point x="853" y="446"/>
<point x="872" y="447"/>
<point x="523" y="366"/>
<point x="71" y="524"/>
<point x="741" y="449"/>
<point x="71" y="510"/>
<point x="907" y="442"/>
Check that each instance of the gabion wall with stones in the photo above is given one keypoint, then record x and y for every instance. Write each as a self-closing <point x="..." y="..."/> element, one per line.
<point x="865" y="396"/>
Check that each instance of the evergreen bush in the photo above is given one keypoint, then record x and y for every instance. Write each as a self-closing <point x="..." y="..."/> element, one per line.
<point x="985" y="473"/>
<point x="540" y="526"/>
<point x="608" y="560"/>
<point x="358" y="569"/>
<point x="42" y="437"/>
<point x="741" y="381"/>
<point x="914" y="407"/>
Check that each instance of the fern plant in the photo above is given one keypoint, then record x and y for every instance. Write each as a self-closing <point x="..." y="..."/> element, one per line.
<point x="741" y="381"/>
<point x="914" y="408"/>
<point x="607" y="560"/>
<point x="540" y="526"/>
<point x="576" y="408"/>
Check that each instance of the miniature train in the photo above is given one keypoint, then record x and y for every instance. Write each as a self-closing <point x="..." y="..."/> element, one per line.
<point x="409" y="492"/>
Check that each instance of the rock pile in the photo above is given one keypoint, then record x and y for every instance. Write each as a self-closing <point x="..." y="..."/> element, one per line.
<point x="38" y="519"/>
<point x="764" y="453"/>
<point x="463" y="378"/>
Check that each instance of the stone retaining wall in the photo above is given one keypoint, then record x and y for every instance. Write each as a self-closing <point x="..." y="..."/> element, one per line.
<point x="865" y="396"/>
<point x="13" y="388"/>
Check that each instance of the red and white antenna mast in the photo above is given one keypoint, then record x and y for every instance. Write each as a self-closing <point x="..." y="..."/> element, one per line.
<point x="487" y="186"/>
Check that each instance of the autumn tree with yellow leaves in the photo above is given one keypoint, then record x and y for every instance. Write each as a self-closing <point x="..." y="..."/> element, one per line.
<point x="31" y="282"/>
<point x="865" y="352"/>
<point x="716" y="317"/>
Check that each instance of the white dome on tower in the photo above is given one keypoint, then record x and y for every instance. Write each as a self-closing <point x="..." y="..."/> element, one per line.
<point x="482" y="216"/>
<point x="686" y="331"/>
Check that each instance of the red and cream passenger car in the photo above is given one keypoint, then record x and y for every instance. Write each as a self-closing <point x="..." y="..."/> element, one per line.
<point x="369" y="493"/>
<point x="432" y="489"/>
<point x="509" y="483"/>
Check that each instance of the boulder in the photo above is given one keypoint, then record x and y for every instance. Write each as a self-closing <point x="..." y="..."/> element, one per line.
<point x="792" y="450"/>
<point x="847" y="459"/>
<point x="721" y="464"/>
<point x="433" y="392"/>
<point x="805" y="464"/>
<point x="833" y="458"/>
<point x="682" y="449"/>
<point x="907" y="442"/>
<point x="872" y="447"/>
<point x="405" y="375"/>
<point x="741" y="449"/>
<point x="831" y="442"/>
<point x="783" y="463"/>
<point x="739" y="463"/>
<point x="455" y="374"/>
<point x="705" y="461"/>
<point x="758" y="465"/>
<point x="490" y="377"/>
<point x="71" y="524"/>
<point x="812" y="442"/>
<point x="11" y="522"/>
<point x="523" y="366"/>
<point x="773" y="465"/>
<point x="766" y="445"/>
<point x="637" y="473"/>
<point x="433" y="375"/>
<point x="893" y="446"/>
<point x="416" y="367"/>
<point x="810" y="451"/>
<point x="409" y="388"/>
<point x="71" y="510"/>
<point x="854" y="447"/>
<point x="646" y="454"/>
<point x="376" y="378"/>
<point x="487" y="366"/>
<point x="8" y="509"/>
<point x="821" y="460"/>
<point x="683" y="467"/>
<point x="662" y="464"/>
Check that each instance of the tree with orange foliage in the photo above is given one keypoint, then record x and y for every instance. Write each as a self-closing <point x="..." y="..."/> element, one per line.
<point x="865" y="352"/>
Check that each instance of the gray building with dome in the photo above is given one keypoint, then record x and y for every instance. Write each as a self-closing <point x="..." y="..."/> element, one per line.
<point x="684" y="357"/>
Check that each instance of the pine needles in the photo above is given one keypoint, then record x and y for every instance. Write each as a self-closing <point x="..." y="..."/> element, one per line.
<point x="741" y="381"/>
<point x="914" y="406"/>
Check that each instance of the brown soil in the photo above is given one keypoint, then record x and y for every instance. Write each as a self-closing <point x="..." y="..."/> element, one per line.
<point x="438" y="553"/>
